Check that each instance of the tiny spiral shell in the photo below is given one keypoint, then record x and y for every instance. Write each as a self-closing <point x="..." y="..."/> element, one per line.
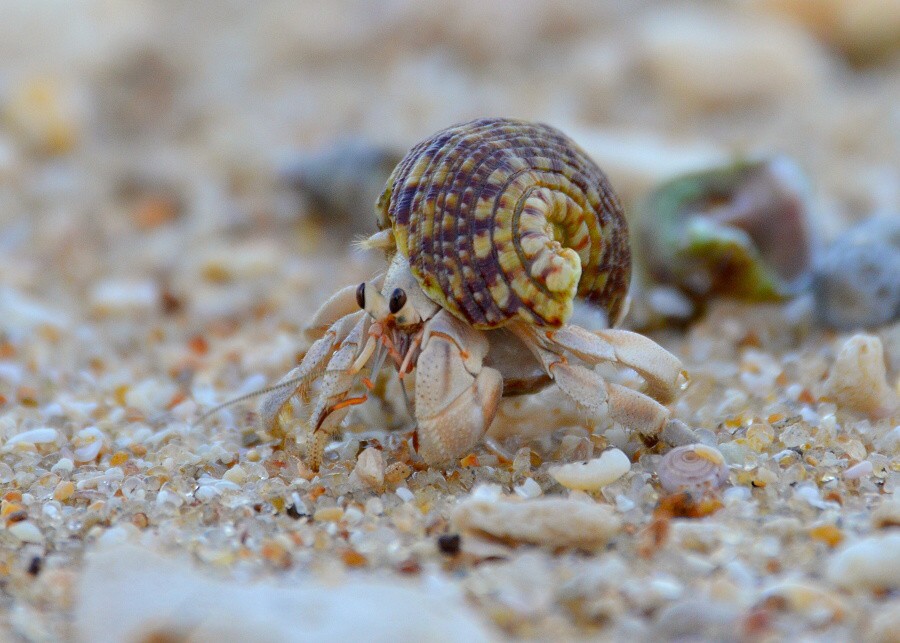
<point x="504" y="220"/>
<point x="694" y="467"/>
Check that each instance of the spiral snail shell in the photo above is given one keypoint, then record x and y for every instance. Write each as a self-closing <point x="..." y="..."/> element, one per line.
<point x="694" y="467"/>
<point x="504" y="219"/>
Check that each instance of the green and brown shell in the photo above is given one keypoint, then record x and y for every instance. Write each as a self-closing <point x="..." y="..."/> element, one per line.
<point x="740" y="230"/>
<point x="504" y="219"/>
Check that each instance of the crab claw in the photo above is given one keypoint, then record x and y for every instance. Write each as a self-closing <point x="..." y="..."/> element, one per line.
<point x="462" y="423"/>
<point x="456" y="397"/>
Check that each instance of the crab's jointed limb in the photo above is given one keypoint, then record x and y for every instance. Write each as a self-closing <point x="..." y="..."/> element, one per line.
<point x="334" y="361"/>
<point x="559" y="350"/>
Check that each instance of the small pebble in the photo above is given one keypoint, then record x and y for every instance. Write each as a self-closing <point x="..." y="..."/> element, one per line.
<point x="886" y="623"/>
<point x="342" y="182"/>
<point x="328" y="514"/>
<point x="235" y="474"/>
<point x="34" y="567"/>
<point x="449" y="544"/>
<point x="118" y="297"/>
<point x="397" y="472"/>
<point x="593" y="474"/>
<point x="711" y="232"/>
<point x="529" y="489"/>
<point x="887" y="514"/>
<point x="294" y="512"/>
<point x="694" y="467"/>
<point x="64" y="490"/>
<point x="697" y="619"/>
<point x="405" y="494"/>
<point x="676" y="433"/>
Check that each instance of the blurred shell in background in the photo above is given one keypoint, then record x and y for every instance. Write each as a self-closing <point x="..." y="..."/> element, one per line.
<point x="857" y="279"/>
<point x="741" y="230"/>
<point x="341" y="182"/>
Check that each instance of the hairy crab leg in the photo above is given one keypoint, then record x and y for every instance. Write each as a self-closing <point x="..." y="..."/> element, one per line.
<point x="298" y="380"/>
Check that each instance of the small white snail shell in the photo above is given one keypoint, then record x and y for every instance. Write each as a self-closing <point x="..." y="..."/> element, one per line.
<point x="694" y="467"/>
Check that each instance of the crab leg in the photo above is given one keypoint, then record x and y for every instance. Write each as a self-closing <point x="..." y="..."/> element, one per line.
<point x="314" y="362"/>
<point x="332" y="402"/>
<point x="661" y="370"/>
<point x="587" y="388"/>
<point x="413" y="350"/>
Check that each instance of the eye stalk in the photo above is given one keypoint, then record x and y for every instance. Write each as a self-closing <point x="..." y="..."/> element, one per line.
<point x="372" y="301"/>
<point x="397" y="300"/>
<point x="402" y="309"/>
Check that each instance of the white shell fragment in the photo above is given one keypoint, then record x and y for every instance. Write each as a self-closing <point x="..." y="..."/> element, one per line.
<point x="871" y="564"/>
<point x="593" y="474"/>
<point x="88" y="443"/>
<point x="26" y="531"/>
<point x="551" y="522"/>
<point x="811" y="601"/>
<point x="33" y="437"/>
<point x="858" y="470"/>
<point x="370" y="468"/>
<point x="694" y="467"/>
<point x="858" y="379"/>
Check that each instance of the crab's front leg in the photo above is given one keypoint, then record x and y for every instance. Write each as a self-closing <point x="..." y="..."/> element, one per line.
<point x="334" y="361"/>
<point x="456" y="395"/>
<point x="296" y="383"/>
<point x="333" y="401"/>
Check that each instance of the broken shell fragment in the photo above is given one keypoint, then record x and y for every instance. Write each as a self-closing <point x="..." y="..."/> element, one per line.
<point x="741" y="230"/>
<point x="551" y="522"/>
<point x="694" y="467"/>
<point x="858" y="378"/>
<point x="593" y="474"/>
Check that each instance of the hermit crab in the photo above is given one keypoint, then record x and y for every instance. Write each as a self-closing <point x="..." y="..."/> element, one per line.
<point x="495" y="231"/>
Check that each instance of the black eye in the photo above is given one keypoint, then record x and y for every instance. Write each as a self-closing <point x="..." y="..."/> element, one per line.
<point x="361" y="295"/>
<point x="397" y="301"/>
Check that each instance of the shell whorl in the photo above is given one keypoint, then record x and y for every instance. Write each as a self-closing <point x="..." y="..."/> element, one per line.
<point x="504" y="219"/>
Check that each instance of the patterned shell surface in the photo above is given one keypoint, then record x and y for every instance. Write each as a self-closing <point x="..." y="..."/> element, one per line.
<point x="504" y="220"/>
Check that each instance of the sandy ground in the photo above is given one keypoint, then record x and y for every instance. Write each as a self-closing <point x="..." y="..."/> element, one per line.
<point x="155" y="259"/>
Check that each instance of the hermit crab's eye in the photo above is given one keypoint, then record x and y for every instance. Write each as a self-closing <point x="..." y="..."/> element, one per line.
<point x="397" y="300"/>
<point x="361" y="295"/>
